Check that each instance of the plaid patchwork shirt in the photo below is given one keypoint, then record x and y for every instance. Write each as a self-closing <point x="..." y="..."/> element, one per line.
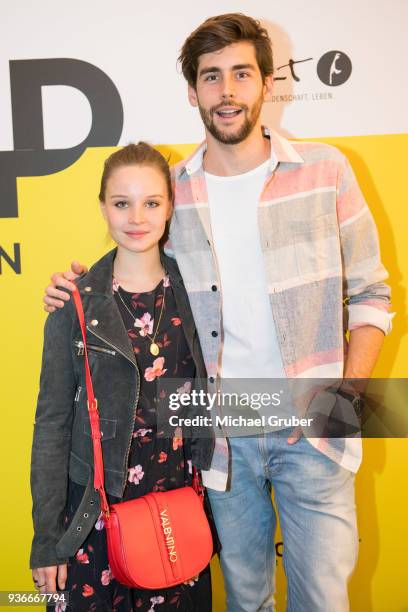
<point x="322" y="261"/>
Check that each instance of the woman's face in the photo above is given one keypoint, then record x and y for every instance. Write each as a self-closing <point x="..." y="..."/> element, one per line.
<point x="136" y="207"/>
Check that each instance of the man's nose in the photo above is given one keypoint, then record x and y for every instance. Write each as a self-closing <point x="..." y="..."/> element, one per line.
<point x="228" y="88"/>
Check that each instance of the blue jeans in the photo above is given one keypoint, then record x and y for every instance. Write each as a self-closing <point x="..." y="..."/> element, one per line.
<point x="315" y="501"/>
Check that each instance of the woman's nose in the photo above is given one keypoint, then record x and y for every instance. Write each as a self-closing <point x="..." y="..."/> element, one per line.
<point x="136" y="215"/>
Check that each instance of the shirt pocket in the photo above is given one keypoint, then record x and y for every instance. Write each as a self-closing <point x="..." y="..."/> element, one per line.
<point x="316" y="243"/>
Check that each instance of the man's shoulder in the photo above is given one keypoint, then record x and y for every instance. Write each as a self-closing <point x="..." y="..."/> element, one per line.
<point x="313" y="152"/>
<point x="178" y="167"/>
<point x="190" y="163"/>
<point x="179" y="171"/>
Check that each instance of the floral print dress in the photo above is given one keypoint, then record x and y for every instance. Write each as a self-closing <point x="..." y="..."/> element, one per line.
<point x="155" y="464"/>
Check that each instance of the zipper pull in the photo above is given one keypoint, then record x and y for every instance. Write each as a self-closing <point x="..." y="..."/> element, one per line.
<point x="77" y="394"/>
<point x="80" y="348"/>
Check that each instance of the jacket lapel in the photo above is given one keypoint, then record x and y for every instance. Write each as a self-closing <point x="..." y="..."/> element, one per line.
<point x="102" y="316"/>
<point x="104" y="321"/>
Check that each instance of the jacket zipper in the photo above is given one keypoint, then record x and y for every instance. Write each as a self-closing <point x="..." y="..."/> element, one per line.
<point x="135" y="404"/>
<point x="91" y="347"/>
<point x="77" y="394"/>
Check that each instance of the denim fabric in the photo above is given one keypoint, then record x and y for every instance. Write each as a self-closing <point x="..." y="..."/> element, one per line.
<point x="314" y="498"/>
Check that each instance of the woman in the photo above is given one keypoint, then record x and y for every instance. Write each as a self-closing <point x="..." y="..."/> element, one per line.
<point x="140" y="331"/>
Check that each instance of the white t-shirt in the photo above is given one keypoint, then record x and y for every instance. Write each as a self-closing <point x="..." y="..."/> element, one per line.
<point x="251" y="347"/>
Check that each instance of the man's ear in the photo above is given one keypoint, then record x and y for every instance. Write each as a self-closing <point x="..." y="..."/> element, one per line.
<point x="192" y="95"/>
<point x="268" y="88"/>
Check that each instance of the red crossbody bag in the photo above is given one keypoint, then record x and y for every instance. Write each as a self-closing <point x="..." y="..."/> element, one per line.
<point x="158" y="540"/>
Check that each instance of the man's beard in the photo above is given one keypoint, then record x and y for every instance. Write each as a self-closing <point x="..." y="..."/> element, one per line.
<point x="232" y="138"/>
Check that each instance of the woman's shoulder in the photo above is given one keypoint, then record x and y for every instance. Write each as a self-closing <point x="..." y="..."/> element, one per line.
<point x="99" y="277"/>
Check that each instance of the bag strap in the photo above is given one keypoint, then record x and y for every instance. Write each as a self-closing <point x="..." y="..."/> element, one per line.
<point x="95" y="422"/>
<point x="197" y="484"/>
<point x="99" y="480"/>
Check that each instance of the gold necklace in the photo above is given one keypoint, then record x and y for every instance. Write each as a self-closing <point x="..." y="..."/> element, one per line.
<point x="154" y="348"/>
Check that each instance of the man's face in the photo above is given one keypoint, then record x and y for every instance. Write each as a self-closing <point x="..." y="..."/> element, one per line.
<point x="229" y="92"/>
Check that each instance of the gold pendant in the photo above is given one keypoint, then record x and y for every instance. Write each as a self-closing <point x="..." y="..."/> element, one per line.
<point x="154" y="349"/>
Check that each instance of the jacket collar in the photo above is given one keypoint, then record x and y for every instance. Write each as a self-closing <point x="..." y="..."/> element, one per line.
<point x="98" y="281"/>
<point x="281" y="151"/>
<point x="103" y="317"/>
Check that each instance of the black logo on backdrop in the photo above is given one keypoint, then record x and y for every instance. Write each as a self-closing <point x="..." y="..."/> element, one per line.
<point x="14" y="262"/>
<point x="334" y="68"/>
<point x="29" y="157"/>
<point x="291" y="65"/>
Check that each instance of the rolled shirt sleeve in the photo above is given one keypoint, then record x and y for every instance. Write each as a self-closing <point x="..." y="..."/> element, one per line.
<point x="367" y="295"/>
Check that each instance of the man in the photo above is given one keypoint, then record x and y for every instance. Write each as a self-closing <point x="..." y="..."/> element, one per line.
<point x="270" y="238"/>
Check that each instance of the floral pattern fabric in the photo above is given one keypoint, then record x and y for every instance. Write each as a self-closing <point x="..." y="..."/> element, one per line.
<point x="155" y="464"/>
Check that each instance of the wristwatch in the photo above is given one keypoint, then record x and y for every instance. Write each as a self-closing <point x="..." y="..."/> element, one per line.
<point x="355" y="400"/>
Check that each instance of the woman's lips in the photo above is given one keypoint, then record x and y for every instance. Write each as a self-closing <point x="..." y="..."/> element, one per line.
<point x="136" y="235"/>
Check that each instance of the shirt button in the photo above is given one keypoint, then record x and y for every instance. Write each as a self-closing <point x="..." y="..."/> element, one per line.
<point x="214" y="288"/>
<point x="211" y="379"/>
<point x="88" y="289"/>
<point x="214" y="334"/>
<point x="94" y="322"/>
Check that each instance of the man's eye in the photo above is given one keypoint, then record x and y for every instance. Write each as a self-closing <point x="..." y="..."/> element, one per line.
<point x="151" y="204"/>
<point x="242" y="75"/>
<point x="121" y="204"/>
<point x="211" y="77"/>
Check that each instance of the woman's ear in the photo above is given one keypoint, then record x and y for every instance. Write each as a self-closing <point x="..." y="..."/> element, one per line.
<point x="103" y="209"/>
<point x="170" y="212"/>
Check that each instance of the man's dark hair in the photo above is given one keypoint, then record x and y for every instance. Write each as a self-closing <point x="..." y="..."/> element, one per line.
<point x="218" y="32"/>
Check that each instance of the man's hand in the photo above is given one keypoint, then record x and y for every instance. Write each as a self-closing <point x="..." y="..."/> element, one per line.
<point x="363" y="349"/>
<point x="295" y="435"/>
<point x="302" y="403"/>
<point x="54" y="298"/>
<point x="46" y="578"/>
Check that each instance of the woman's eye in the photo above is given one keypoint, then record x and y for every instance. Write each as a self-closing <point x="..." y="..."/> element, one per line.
<point x="151" y="204"/>
<point x="121" y="204"/>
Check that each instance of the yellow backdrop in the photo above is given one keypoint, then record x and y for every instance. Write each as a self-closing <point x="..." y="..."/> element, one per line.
<point x="58" y="221"/>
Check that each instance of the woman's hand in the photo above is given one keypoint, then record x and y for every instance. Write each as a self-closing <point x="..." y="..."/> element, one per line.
<point x="54" y="298"/>
<point x="46" y="578"/>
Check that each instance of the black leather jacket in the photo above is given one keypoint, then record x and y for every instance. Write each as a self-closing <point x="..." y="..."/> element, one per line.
<point x="62" y="446"/>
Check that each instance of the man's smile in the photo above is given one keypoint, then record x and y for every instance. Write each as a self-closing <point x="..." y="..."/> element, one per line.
<point x="228" y="112"/>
